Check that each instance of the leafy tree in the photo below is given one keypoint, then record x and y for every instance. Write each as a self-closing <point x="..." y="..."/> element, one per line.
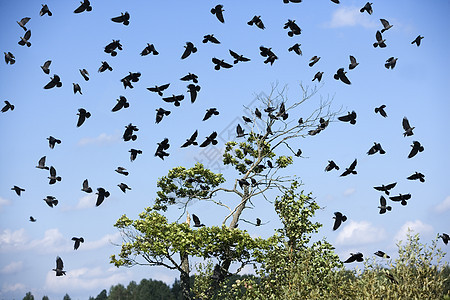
<point x="66" y="297"/>
<point x="45" y="298"/>
<point x="102" y="296"/>
<point x="118" y="292"/>
<point x="28" y="296"/>
<point x="153" y="240"/>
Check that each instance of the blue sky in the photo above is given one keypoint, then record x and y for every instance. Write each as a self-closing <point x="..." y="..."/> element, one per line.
<point x="416" y="88"/>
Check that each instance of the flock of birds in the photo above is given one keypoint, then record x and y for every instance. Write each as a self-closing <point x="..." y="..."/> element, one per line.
<point x="193" y="90"/>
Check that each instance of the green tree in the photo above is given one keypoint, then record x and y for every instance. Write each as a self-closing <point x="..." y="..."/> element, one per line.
<point x="102" y="296"/>
<point x="45" y="298"/>
<point x="66" y="297"/>
<point x="153" y="240"/>
<point x="28" y="296"/>
<point x="118" y="292"/>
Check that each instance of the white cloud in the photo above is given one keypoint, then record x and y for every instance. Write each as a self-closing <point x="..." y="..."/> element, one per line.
<point x="85" y="279"/>
<point x="359" y="233"/>
<point x="12" y="287"/>
<point x="416" y="226"/>
<point x="443" y="206"/>
<point x="12" y="267"/>
<point x="4" y="202"/>
<point x="12" y="239"/>
<point x="102" y="139"/>
<point x="350" y="16"/>
<point x="104" y="241"/>
<point x="349" y="192"/>
<point x="84" y="202"/>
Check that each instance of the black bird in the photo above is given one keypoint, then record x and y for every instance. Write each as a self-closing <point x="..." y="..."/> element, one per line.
<point x="385" y="188"/>
<point x="353" y="63"/>
<point x="351" y="169"/>
<point x="105" y="66"/>
<point x="24" y="40"/>
<point x="243" y="182"/>
<point x="257" y="21"/>
<point x="354" y="257"/>
<point x="383" y="207"/>
<point x="350" y="117"/>
<point x="335" y="1"/>
<point x="32" y="219"/>
<point x="77" y="242"/>
<point x="313" y="60"/>
<point x="381" y="110"/>
<point x="45" y="10"/>
<point x="149" y="49"/>
<point x="131" y="77"/>
<point x="417" y="175"/>
<point x="122" y="170"/>
<point x="293" y="28"/>
<point x="76" y="88"/>
<point x="9" y="58"/>
<point x="175" y="99"/>
<point x="211" y="139"/>
<point x="134" y="153"/>
<point x="271" y="59"/>
<point x="239" y="131"/>
<point x="376" y="148"/>
<point x="193" y="90"/>
<point x="52" y="141"/>
<point x="86" y="188"/>
<point x="189" y="48"/>
<point x="82" y="116"/>
<point x="46" y="67"/>
<point x="210" y="38"/>
<point x="85" y="6"/>
<point x="23" y="22"/>
<point x="128" y="134"/>
<point x="408" y="129"/>
<point x="53" y="178"/>
<point x="417" y="40"/>
<point x="51" y="201"/>
<point x="340" y="75"/>
<point x="191" y="140"/>
<point x="54" y="81"/>
<point x="59" y="267"/>
<point x="41" y="163"/>
<point x="124" y="18"/>
<point x="385" y="24"/>
<point x="292" y="1"/>
<point x="416" y="147"/>
<point x="123" y="187"/>
<point x="380" y="41"/>
<point x="218" y="11"/>
<point x="266" y="52"/>
<point x="159" y="89"/>
<point x="17" y="189"/>
<point x="390" y="62"/>
<point x="238" y="57"/>
<point x="190" y="76"/>
<point x="121" y="103"/>
<point x="381" y="254"/>
<point x="367" y="7"/>
<point x="445" y="238"/>
<point x="85" y="74"/>
<point x="197" y="221"/>
<point x="331" y="165"/>
<point x="258" y="221"/>
<point x="247" y="119"/>
<point x="220" y="63"/>
<point x="401" y="198"/>
<point x="318" y="76"/>
<point x="296" y="49"/>
<point x="210" y="112"/>
<point x="258" y="113"/>
<point x="162" y="146"/>
<point x="111" y="47"/>
<point x="160" y="113"/>
<point x="338" y="219"/>
<point x="8" y="106"/>
<point x="101" y="195"/>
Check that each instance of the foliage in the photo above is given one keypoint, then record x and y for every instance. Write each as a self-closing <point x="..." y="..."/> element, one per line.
<point x="28" y="296"/>
<point x="66" y="297"/>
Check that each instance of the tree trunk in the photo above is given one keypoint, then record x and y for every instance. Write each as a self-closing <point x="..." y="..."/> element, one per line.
<point x="184" y="277"/>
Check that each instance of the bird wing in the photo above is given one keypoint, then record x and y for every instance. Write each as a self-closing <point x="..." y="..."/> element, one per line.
<point x="382" y="201"/>
<point x="337" y="223"/>
<point x="52" y="171"/>
<point x="118" y="19"/>
<point x="352" y="59"/>
<point x="391" y="185"/>
<point x="353" y="165"/>
<point x="234" y="54"/>
<point x="413" y="152"/>
<point x="186" y="53"/>
<point x="344" y="78"/>
<point x="225" y="65"/>
<point x="59" y="263"/>
<point x="196" y="219"/>
<point x="385" y="23"/>
<point x="378" y="36"/>
<point x="405" y="124"/>
<point x="345" y="118"/>
<point x="118" y="106"/>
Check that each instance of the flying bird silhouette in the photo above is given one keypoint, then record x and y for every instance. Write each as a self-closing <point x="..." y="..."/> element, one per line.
<point x="121" y="103"/>
<point x="189" y="48"/>
<point x="54" y="81"/>
<point x="59" y="265"/>
<point x="239" y="131"/>
<point x="76" y="88"/>
<point x="105" y="66"/>
<point x="293" y="28"/>
<point x="46" y="67"/>
<point x="86" y="188"/>
<point x="408" y="129"/>
<point x="381" y="254"/>
<point x="211" y="139"/>
<point x="416" y="147"/>
<point x="417" y="175"/>
<point x="331" y="165"/>
<point x="197" y="221"/>
<point x="17" y="189"/>
<point x="385" y="188"/>
<point x="380" y="41"/>
<point x="9" y="58"/>
<point x="149" y="49"/>
<point x="218" y="11"/>
<point x="383" y="207"/>
<point x="82" y="114"/>
<point x="51" y="201"/>
<point x="23" y="22"/>
<point x="41" y="163"/>
<point x="381" y="110"/>
<point x="220" y="63"/>
<point x="128" y="134"/>
<point x="159" y="89"/>
<point x="190" y="76"/>
<point x="338" y="219"/>
<point x="210" y="38"/>
<point x="32" y="219"/>
<point x="296" y="49"/>
<point x="122" y="170"/>
<point x="111" y="47"/>
<point x="210" y="112"/>
<point x="45" y="10"/>
<point x="257" y="21"/>
<point x="367" y="7"/>
<point x="445" y="238"/>
<point x="193" y="90"/>
<point x="174" y="99"/>
<point x="318" y="76"/>
<point x="52" y="141"/>
<point x="24" y="40"/>
<point x="160" y="113"/>
<point x="162" y="146"/>
<point x="124" y="18"/>
<point x="351" y="169"/>
<point x="123" y="187"/>
<point x="101" y="195"/>
<point x="84" y="6"/>
<point x="8" y="106"/>
<point x="385" y="24"/>
<point x="134" y="153"/>
<point x="313" y="60"/>
<point x="417" y="40"/>
<point x="238" y="57"/>
<point x="355" y="257"/>
<point x="85" y="74"/>
<point x="376" y="148"/>
<point x="77" y="241"/>
<point x="391" y="62"/>
<point x="350" y="117"/>
<point x="353" y="63"/>
<point x="402" y="198"/>
<point x="191" y="140"/>
<point x="340" y="75"/>
<point x="53" y="178"/>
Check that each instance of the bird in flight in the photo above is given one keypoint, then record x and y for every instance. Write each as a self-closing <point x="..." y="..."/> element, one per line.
<point x="296" y="49"/>
<point x="134" y="153"/>
<point x="159" y="89"/>
<point x="218" y="11"/>
<point x="54" y="81"/>
<point x="8" y="106"/>
<point x="41" y="163"/>
<point x="23" y="22"/>
<point x="46" y="67"/>
<point x="293" y="28"/>
<point x="189" y="48"/>
<point x="220" y="63"/>
<point x="331" y="165"/>
<point x="191" y="140"/>
<point x="101" y="195"/>
<point x="52" y="141"/>
<point x="53" y="178"/>
<point x="353" y="63"/>
<point x="383" y="206"/>
<point x="77" y="241"/>
<point x="367" y="7"/>
<point x="380" y="41"/>
<point x="175" y="99"/>
<point x="238" y="57"/>
<point x="190" y="76"/>
<point x="85" y="74"/>
<point x="51" y="201"/>
<point x="24" y="40"/>
<point x="385" y="24"/>
<point x="381" y="254"/>
<point x="82" y="114"/>
<point x="84" y="6"/>
<point x="355" y="257"/>
<point x="391" y="62"/>
<point x="445" y="238"/>
<point x="257" y="21"/>
<point x="86" y="188"/>
<point x="122" y="170"/>
<point x="408" y="129"/>
<point x="381" y="110"/>
<point x="160" y="113"/>
<point x="350" y="117"/>
<point x="32" y="219"/>
<point x="149" y="49"/>
<point x="124" y="18"/>
<point x="402" y="198"/>
<point x="210" y="38"/>
<point x="318" y="76"/>
<point x="351" y="169"/>
<point x="193" y="90"/>
<point x="45" y="10"/>
<point x="128" y="134"/>
<point x="417" y="40"/>
<point x="385" y="188"/>
<point x="111" y="47"/>
<point x="197" y="221"/>
<point x="76" y="88"/>
<point x="416" y="147"/>
<point x="338" y="219"/>
<point x="417" y="175"/>
<point x="340" y="75"/>
<point x="376" y="148"/>
<point x="211" y="139"/>
<point x="123" y="187"/>
<point x="105" y="66"/>
<point x="9" y="58"/>
<point x="18" y="190"/>
<point x="121" y="103"/>
<point x="59" y="267"/>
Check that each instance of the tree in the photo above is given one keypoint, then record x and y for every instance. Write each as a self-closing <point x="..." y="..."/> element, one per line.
<point x="102" y="296"/>
<point x="28" y="296"/>
<point x="66" y="297"/>
<point x="153" y="240"/>
<point x="45" y="298"/>
<point x="118" y="292"/>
